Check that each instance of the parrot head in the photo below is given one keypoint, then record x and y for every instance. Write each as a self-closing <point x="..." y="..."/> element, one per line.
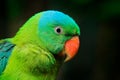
<point x="53" y="35"/>
<point x="59" y="34"/>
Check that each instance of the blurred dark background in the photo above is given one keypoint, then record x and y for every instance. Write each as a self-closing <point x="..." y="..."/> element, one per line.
<point x="98" y="57"/>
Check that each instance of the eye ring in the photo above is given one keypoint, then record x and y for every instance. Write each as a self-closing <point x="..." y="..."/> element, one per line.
<point x="58" y="30"/>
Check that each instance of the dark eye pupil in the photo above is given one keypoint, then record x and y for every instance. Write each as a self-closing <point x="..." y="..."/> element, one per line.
<point x="58" y="30"/>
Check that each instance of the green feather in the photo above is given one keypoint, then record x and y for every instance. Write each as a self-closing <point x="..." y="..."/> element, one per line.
<point x="37" y="45"/>
<point x="30" y="63"/>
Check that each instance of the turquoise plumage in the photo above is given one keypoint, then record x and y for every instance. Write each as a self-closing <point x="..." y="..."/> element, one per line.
<point x="5" y="52"/>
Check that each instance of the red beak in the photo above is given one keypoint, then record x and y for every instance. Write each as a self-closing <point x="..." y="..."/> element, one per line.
<point x="71" y="47"/>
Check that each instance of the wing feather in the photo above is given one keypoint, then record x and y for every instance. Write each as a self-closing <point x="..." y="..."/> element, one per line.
<point x="5" y="52"/>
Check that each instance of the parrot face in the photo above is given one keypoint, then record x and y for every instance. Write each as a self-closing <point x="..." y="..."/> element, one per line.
<point x="55" y="29"/>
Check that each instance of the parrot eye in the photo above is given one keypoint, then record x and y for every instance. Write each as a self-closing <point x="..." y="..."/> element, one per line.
<point x="58" y="30"/>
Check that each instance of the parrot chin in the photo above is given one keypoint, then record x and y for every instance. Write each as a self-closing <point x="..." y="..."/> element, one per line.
<point x="70" y="49"/>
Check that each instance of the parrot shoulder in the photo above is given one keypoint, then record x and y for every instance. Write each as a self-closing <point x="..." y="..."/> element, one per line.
<point x="5" y="51"/>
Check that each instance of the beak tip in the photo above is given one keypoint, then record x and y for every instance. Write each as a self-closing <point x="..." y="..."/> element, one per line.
<point x="66" y="59"/>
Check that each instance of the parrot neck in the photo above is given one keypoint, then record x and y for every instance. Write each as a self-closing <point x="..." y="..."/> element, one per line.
<point x="28" y="33"/>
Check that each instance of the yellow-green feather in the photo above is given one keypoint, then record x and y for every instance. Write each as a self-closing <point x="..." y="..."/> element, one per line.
<point x="30" y="63"/>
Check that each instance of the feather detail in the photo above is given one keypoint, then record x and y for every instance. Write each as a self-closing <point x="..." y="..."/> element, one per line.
<point x="5" y="52"/>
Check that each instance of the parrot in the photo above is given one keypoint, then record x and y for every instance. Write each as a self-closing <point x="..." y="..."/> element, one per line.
<point x="41" y="46"/>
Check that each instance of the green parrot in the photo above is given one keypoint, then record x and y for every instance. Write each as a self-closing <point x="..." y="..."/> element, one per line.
<point x="40" y="47"/>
